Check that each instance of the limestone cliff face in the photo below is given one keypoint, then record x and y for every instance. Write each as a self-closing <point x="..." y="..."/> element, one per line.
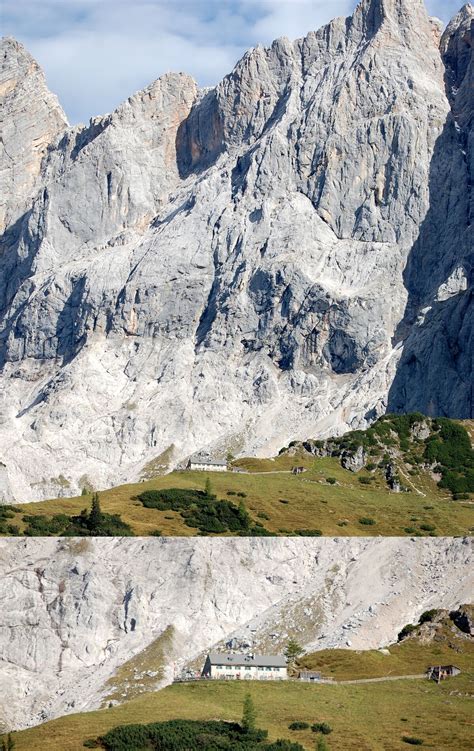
<point x="232" y="269"/>
<point x="74" y="611"/>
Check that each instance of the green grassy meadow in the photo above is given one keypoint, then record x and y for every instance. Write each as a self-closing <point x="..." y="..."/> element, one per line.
<point x="285" y="503"/>
<point x="366" y="717"/>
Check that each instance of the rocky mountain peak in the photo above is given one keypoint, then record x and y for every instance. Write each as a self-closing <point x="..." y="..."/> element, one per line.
<point x="405" y="18"/>
<point x="30" y="121"/>
<point x="235" y="268"/>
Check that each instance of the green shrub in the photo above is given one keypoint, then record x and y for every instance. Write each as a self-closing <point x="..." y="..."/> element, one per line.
<point x="262" y="515"/>
<point x="410" y="530"/>
<point x="450" y="449"/>
<point x="199" y="509"/>
<point x="331" y="480"/>
<point x="412" y="741"/>
<point x="367" y="521"/>
<point x="93" y="523"/>
<point x="298" y="725"/>
<point x="365" y="480"/>
<point x="321" y="727"/>
<point x="427" y="527"/>
<point x="308" y="532"/>
<point x="406" y="631"/>
<point x="177" y="735"/>
<point x="370" y="467"/>
<point x="427" y="616"/>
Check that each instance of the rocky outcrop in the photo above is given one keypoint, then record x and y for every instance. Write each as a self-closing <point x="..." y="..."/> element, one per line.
<point x="354" y="460"/>
<point x="464" y="619"/>
<point x="235" y="268"/>
<point x="74" y="611"/>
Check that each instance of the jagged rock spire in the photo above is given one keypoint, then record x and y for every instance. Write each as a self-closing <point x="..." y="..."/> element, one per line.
<point x="30" y="120"/>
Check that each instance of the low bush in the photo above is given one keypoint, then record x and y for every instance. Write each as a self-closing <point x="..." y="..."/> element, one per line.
<point x="406" y="631"/>
<point x="427" y="527"/>
<point x="412" y="741"/>
<point x="298" y="725"/>
<point x="331" y="480"/>
<point x="367" y="521"/>
<point x="93" y="523"/>
<point x="175" y="735"/>
<point x="321" y="727"/>
<point x="308" y="532"/>
<point x="365" y="480"/>
<point x="200" y="510"/>
<point x="427" y="616"/>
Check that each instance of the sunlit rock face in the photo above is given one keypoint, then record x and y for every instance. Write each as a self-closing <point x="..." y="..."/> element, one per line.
<point x="74" y="611"/>
<point x="230" y="269"/>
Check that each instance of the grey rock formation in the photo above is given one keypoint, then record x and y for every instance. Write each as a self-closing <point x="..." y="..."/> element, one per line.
<point x="237" y="268"/>
<point x="354" y="460"/>
<point x="73" y="611"/>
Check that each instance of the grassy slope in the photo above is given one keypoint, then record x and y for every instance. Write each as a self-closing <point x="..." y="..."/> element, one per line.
<point x="407" y="658"/>
<point x="364" y="717"/>
<point x="313" y="504"/>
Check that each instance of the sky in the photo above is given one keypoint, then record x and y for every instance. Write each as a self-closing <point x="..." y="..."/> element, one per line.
<point x="96" y="53"/>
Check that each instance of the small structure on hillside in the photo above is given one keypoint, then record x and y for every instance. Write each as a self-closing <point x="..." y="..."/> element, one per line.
<point x="206" y="464"/>
<point x="440" y="673"/>
<point x="309" y="676"/>
<point x="225" y="666"/>
<point x="298" y="470"/>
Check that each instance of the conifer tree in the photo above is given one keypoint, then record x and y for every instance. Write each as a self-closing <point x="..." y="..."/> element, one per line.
<point x="95" y="516"/>
<point x="249" y="715"/>
<point x="293" y="651"/>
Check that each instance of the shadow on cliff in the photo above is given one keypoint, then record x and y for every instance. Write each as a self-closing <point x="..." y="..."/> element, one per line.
<point x="434" y="375"/>
<point x="16" y="268"/>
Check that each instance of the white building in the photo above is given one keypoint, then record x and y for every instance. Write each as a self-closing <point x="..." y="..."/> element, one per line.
<point x="207" y="464"/>
<point x="223" y="666"/>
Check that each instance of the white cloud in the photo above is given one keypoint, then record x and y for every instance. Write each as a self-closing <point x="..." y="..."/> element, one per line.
<point x="97" y="52"/>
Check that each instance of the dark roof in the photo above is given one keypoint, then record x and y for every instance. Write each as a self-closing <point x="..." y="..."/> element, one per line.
<point x="273" y="661"/>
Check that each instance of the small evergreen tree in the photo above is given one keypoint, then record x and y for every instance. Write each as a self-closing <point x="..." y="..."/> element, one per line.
<point x="249" y="716"/>
<point x="95" y="516"/>
<point x="208" y="488"/>
<point x="293" y="651"/>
